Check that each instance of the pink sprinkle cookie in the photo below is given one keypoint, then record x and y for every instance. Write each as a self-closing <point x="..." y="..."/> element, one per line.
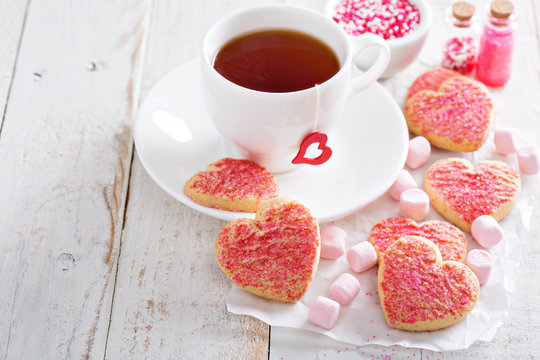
<point x="528" y="160"/>
<point x="461" y="192"/>
<point x="345" y="288"/>
<point x="390" y="19"/>
<point x="507" y="141"/>
<point x="232" y="184"/>
<point x="333" y="241"/>
<point x="274" y="256"/>
<point x="486" y="231"/>
<point x="419" y="291"/>
<point x="362" y="257"/>
<point x="403" y="182"/>
<point x="414" y="204"/>
<point x="324" y="312"/>
<point x="458" y="116"/>
<point x="430" y="80"/>
<point x="451" y="241"/>
<point x="419" y="152"/>
<point x="479" y="261"/>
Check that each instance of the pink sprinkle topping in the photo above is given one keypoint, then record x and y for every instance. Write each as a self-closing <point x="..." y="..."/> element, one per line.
<point x="472" y="192"/>
<point x="390" y="19"/>
<point x="449" y="239"/>
<point x="460" y="111"/>
<point x="232" y="180"/>
<point x="274" y="256"/>
<point x="460" y="54"/>
<point x="236" y="178"/>
<point x="418" y="287"/>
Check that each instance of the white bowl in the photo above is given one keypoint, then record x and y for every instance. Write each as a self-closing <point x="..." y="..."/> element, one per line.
<point x="403" y="50"/>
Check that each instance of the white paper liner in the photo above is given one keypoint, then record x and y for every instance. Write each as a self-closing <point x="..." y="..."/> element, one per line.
<point x="362" y="322"/>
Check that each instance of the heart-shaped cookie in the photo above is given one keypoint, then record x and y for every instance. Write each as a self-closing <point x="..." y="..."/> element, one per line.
<point x="274" y="256"/>
<point x="232" y="184"/>
<point x="418" y="291"/>
<point x="461" y="192"/>
<point x="458" y="117"/>
<point x="451" y="241"/>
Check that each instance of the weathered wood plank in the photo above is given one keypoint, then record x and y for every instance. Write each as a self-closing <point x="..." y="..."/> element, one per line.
<point x="170" y="294"/>
<point x="12" y="18"/>
<point x="170" y="297"/>
<point x="65" y="152"/>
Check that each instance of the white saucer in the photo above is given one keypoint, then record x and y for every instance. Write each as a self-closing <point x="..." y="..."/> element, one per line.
<point x="175" y="138"/>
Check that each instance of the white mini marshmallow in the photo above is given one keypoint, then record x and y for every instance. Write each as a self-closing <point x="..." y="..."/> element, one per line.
<point x="414" y="204"/>
<point x="345" y="288"/>
<point x="507" y="140"/>
<point x="528" y="160"/>
<point x="362" y="256"/>
<point x="333" y="241"/>
<point x="479" y="261"/>
<point x="324" y="312"/>
<point x="486" y="231"/>
<point x="419" y="152"/>
<point x="403" y="182"/>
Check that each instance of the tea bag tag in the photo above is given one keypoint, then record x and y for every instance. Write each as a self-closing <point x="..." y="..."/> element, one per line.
<point x="314" y="138"/>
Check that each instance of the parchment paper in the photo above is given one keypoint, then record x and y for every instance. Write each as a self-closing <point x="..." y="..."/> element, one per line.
<point x="362" y="322"/>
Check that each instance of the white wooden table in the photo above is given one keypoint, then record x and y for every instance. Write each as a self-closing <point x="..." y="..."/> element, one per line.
<point x="96" y="261"/>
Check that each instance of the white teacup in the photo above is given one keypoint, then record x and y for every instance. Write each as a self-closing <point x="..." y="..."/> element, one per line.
<point x="268" y="127"/>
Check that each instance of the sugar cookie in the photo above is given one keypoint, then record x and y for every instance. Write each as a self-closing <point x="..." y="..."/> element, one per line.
<point x="232" y="184"/>
<point x="450" y="240"/>
<point x="274" y="256"/>
<point x="461" y="192"/>
<point x="419" y="291"/>
<point x="458" y="116"/>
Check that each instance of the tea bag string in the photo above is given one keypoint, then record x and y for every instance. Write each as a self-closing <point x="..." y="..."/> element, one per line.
<point x="317" y="106"/>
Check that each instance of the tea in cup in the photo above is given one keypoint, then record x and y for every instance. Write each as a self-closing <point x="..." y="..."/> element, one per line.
<point x="274" y="74"/>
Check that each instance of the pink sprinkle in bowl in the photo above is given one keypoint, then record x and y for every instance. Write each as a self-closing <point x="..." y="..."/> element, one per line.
<point x="403" y="50"/>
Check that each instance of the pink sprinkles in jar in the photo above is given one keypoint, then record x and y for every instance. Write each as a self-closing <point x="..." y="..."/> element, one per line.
<point x="390" y="19"/>
<point x="460" y="54"/>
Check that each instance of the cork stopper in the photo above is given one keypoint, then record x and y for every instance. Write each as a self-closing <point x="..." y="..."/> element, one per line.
<point x="501" y="9"/>
<point x="463" y="10"/>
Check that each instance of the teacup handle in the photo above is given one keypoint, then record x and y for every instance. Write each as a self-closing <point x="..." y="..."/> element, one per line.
<point x="359" y="44"/>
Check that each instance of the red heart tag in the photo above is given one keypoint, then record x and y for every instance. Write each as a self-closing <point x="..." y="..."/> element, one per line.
<point x="315" y="137"/>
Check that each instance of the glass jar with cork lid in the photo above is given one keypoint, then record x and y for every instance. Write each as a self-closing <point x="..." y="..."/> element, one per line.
<point x="497" y="44"/>
<point x="460" y="48"/>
